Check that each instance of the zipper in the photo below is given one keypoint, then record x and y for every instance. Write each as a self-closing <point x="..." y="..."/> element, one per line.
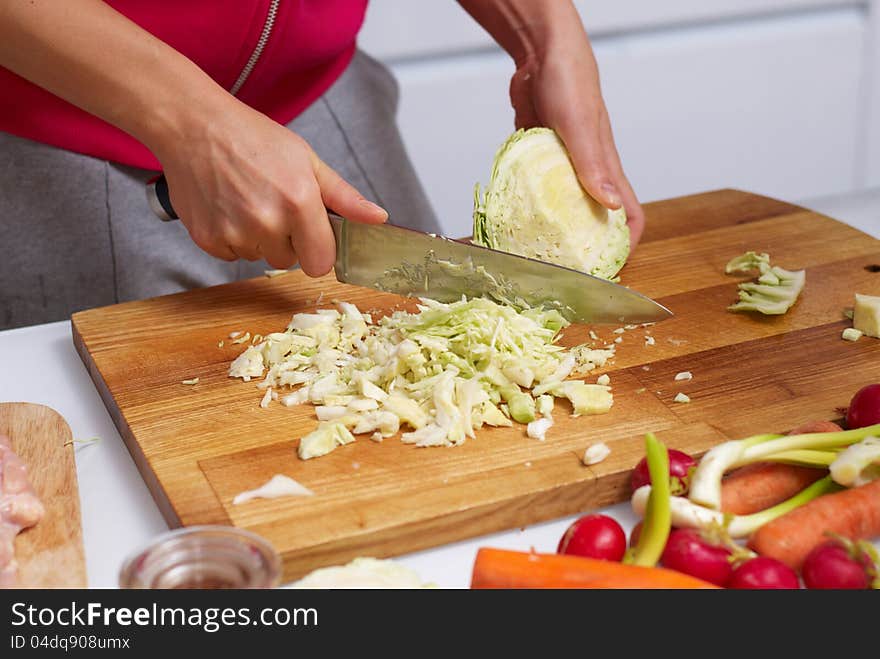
<point x="258" y="49"/>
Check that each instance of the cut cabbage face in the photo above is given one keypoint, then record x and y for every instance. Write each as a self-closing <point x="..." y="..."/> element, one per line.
<point x="437" y="374"/>
<point x="866" y="315"/>
<point x="535" y="206"/>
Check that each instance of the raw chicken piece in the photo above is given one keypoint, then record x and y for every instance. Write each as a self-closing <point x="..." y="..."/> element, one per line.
<point x="20" y="508"/>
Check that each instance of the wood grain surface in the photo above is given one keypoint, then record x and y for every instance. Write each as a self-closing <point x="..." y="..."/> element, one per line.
<point x="50" y="554"/>
<point x="197" y="446"/>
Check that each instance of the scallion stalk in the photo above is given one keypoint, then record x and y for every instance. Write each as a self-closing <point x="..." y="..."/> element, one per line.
<point x="687" y="514"/>
<point x="706" y="481"/>
<point x="658" y="516"/>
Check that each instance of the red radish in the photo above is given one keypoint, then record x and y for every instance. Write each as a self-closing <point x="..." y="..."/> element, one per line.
<point x="838" y="564"/>
<point x="594" y="536"/>
<point x="864" y="408"/>
<point x="681" y="465"/>
<point x="689" y="552"/>
<point x="635" y="533"/>
<point x="763" y="572"/>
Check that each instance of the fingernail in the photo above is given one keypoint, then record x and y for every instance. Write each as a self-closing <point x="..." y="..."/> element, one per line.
<point x="366" y="203"/>
<point x="612" y="196"/>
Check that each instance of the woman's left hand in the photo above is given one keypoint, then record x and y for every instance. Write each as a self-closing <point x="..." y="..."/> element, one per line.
<point x="560" y="89"/>
<point x="556" y="84"/>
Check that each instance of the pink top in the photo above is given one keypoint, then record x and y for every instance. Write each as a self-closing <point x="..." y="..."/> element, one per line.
<point x="310" y="44"/>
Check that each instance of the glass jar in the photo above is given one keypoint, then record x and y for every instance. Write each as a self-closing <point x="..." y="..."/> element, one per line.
<point x="209" y="557"/>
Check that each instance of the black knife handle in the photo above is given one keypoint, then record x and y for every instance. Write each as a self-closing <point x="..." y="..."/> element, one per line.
<point x="160" y="203"/>
<point x="160" y="200"/>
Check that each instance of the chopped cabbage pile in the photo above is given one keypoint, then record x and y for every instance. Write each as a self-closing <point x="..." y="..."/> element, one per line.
<point x="439" y="373"/>
<point x="776" y="289"/>
<point x="535" y="206"/>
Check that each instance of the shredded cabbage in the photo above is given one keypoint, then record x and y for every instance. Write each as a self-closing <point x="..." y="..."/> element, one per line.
<point x="441" y="372"/>
<point x="776" y="289"/>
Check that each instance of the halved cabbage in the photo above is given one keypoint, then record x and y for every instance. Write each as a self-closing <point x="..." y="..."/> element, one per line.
<point x="535" y="206"/>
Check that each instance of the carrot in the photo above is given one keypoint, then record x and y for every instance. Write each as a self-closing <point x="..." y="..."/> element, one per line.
<point x="762" y="485"/>
<point x="499" y="568"/>
<point x="816" y="426"/>
<point x="852" y="513"/>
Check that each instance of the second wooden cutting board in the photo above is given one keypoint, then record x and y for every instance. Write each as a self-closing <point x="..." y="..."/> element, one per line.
<point x="49" y="554"/>
<point x="197" y="446"/>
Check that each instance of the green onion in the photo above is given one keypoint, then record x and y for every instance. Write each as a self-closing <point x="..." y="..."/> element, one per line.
<point x="658" y="516"/>
<point x="706" y="481"/>
<point x="687" y="514"/>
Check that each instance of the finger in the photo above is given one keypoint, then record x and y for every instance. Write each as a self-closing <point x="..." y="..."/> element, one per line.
<point x="279" y="252"/>
<point x="526" y="116"/>
<point x="245" y="244"/>
<point x="200" y="232"/>
<point x="584" y="145"/>
<point x="310" y="230"/>
<point x="247" y="252"/>
<point x="274" y="242"/>
<point x="209" y="243"/>
<point x="342" y="197"/>
<point x="635" y="216"/>
<point x="222" y="252"/>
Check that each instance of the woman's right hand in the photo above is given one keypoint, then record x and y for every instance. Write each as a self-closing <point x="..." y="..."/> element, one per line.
<point x="243" y="185"/>
<point x="246" y="187"/>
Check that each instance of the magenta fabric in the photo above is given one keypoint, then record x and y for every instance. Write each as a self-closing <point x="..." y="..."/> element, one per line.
<point x="310" y="45"/>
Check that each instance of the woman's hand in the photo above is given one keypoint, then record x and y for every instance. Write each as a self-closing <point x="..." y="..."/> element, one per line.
<point x="246" y="187"/>
<point x="561" y="91"/>
<point x="243" y="185"/>
<point x="556" y="84"/>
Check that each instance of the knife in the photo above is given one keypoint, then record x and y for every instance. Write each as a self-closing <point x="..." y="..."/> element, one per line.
<point x="398" y="260"/>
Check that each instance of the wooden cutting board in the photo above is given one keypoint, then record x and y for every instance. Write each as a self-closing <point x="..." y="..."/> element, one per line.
<point x="198" y="446"/>
<point x="50" y="554"/>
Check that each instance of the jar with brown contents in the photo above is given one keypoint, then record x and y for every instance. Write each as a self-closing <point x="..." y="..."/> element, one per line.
<point x="203" y="557"/>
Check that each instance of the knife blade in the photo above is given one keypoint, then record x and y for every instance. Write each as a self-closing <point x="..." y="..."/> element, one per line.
<point x="415" y="264"/>
<point x="411" y="263"/>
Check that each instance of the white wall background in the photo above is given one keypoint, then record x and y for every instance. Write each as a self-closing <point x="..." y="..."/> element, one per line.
<point x="779" y="97"/>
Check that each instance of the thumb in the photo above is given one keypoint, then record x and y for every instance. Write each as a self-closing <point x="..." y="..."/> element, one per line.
<point x="591" y="166"/>
<point x="343" y="198"/>
<point x="582" y="137"/>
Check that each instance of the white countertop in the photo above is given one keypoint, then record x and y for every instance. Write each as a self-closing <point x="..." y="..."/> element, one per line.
<point x="40" y="365"/>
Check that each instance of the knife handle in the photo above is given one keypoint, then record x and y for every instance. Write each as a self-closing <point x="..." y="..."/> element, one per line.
<point x="160" y="200"/>
<point x="160" y="203"/>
